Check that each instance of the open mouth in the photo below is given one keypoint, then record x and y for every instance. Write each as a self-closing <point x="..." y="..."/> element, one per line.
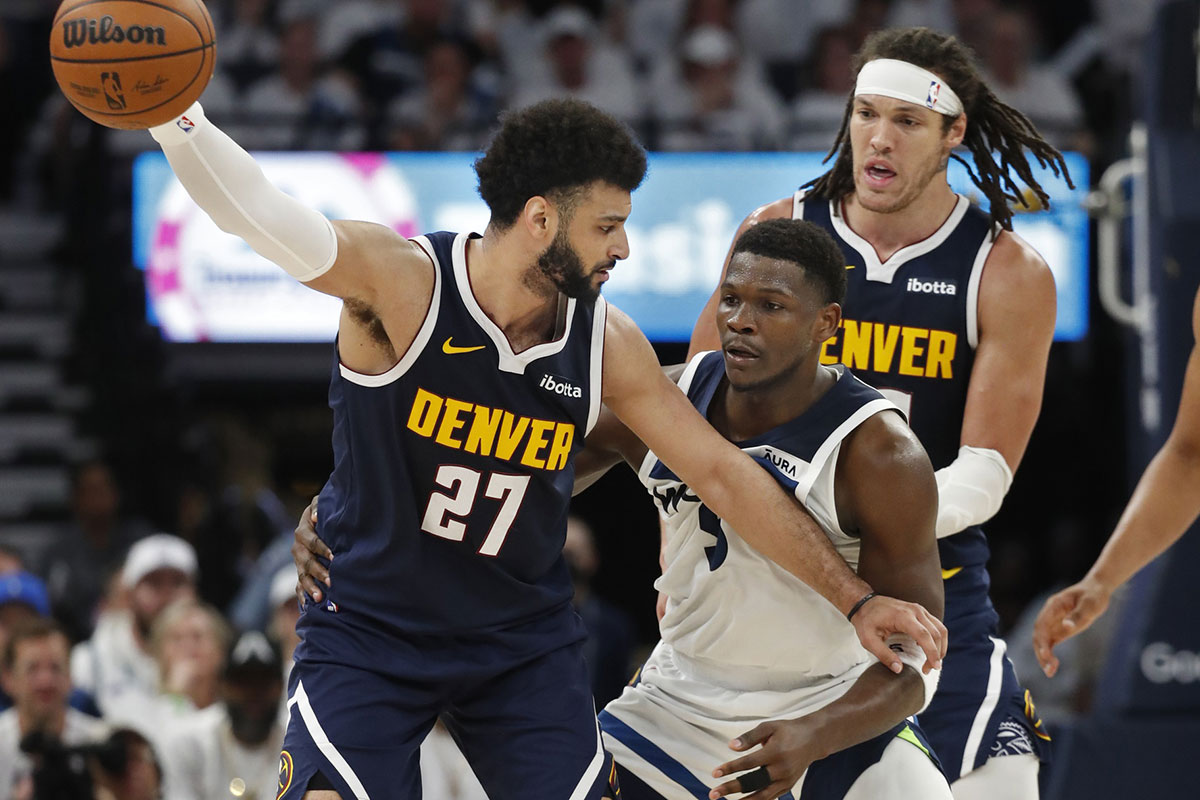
<point x="879" y="173"/>
<point x="737" y="353"/>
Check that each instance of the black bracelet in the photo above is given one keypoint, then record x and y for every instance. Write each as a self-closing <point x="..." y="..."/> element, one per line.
<point x="859" y="605"/>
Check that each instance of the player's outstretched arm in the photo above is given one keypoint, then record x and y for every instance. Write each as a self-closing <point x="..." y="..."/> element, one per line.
<point x="1016" y="311"/>
<point x="886" y="493"/>
<point x="739" y="491"/>
<point x="351" y="260"/>
<point x="704" y="333"/>
<point x="1165" y="502"/>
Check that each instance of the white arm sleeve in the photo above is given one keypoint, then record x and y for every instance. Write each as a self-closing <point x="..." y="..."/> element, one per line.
<point x="911" y="654"/>
<point x="224" y="181"/>
<point x="971" y="489"/>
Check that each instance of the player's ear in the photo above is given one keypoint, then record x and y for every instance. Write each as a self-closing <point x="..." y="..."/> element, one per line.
<point x="539" y="218"/>
<point x="958" y="131"/>
<point x="829" y="319"/>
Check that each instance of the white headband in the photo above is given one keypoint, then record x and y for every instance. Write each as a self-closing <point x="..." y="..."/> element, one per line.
<point x="905" y="81"/>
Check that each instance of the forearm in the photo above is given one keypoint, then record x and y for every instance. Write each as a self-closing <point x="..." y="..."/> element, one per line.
<point x="231" y="188"/>
<point x="774" y="524"/>
<point x="876" y="702"/>
<point x="1165" y="502"/>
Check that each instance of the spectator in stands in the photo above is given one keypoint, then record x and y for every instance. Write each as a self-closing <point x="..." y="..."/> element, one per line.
<point x="449" y="110"/>
<point x="818" y="111"/>
<point x="34" y="671"/>
<point x="233" y="746"/>
<point x="90" y="549"/>
<point x="973" y="22"/>
<point x="285" y="612"/>
<point x="249" y="43"/>
<point x="127" y="768"/>
<point x="1042" y="94"/>
<point x="303" y="106"/>
<point x="22" y="601"/>
<point x="708" y="99"/>
<point x="11" y="560"/>
<point x="189" y="640"/>
<point x="581" y="63"/>
<point x="116" y="665"/>
<point x="609" y="648"/>
<point x="784" y="49"/>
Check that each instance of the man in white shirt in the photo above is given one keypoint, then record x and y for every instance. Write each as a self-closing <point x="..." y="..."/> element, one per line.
<point x="35" y="675"/>
<point x="116" y="663"/>
<point x="232" y="747"/>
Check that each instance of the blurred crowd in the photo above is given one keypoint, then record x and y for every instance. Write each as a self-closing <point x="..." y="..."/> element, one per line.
<point x="155" y="663"/>
<point x="117" y="637"/>
<point x="686" y="74"/>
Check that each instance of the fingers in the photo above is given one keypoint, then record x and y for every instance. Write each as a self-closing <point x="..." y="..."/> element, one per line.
<point x="1050" y="628"/>
<point x="763" y="785"/>
<point x="312" y="510"/>
<point x="876" y="647"/>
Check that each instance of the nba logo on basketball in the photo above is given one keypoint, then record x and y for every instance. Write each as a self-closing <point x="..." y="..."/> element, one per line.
<point x="934" y="88"/>
<point x="111" y="82"/>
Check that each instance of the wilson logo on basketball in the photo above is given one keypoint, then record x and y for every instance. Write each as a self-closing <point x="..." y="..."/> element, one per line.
<point x="78" y="32"/>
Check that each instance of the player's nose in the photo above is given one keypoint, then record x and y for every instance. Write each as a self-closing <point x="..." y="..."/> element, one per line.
<point x="619" y="250"/>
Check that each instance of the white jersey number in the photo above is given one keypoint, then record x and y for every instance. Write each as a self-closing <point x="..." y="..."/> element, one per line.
<point x="445" y="512"/>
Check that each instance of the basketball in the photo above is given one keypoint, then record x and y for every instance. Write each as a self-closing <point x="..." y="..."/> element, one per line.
<point x="129" y="63"/>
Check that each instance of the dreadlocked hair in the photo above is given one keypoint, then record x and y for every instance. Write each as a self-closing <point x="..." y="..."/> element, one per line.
<point x="992" y="126"/>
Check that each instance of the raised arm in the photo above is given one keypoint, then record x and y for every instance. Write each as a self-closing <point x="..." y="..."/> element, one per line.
<point x="1164" y="504"/>
<point x="739" y="491"/>
<point x="886" y="493"/>
<point x="704" y="333"/>
<point x="379" y="273"/>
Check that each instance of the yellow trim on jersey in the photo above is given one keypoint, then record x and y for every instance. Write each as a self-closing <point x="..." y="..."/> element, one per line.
<point x="947" y="574"/>
<point x="907" y="735"/>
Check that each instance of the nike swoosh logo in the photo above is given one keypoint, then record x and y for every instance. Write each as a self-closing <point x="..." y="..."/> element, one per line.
<point x="849" y="266"/>
<point x="947" y="574"/>
<point x="451" y="350"/>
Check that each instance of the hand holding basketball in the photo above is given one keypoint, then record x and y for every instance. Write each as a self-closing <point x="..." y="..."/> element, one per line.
<point x="132" y="63"/>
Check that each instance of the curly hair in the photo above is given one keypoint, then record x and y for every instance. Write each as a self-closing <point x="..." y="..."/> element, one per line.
<point x="804" y="244"/>
<point x="991" y="124"/>
<point x="554" y="149"/>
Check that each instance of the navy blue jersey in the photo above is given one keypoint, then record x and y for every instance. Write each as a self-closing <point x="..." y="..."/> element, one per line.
<point x="909" y="324"/>
<point x="446" y="510"/>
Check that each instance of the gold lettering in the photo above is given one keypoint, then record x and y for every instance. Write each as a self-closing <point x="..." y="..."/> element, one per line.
<point x="537" y="441"/>
<point x="451" y="422"/>
<point x="560" y="450"/>
<point x="885" y="337"/>
<point x="510" y="435"/>
<point x="826" y="357"/>
<point x="856" y="344"/>
<point x="941" y="353"/>
<point x="482" y="434"/>
<point x="424" y="415"/>
<point x="910" y="349"/>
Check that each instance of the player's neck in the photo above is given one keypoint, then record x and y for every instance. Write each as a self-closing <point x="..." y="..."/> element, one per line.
<point x="496" y="266"/>
<point x="888" y="232"/>
<point x="749" y="413"/>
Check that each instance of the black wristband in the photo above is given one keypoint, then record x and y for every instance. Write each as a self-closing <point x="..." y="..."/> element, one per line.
<point x="859" y="605"/>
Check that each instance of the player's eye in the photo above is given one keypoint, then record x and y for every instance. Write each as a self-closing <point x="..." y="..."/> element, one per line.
<point x="606" y="229"/>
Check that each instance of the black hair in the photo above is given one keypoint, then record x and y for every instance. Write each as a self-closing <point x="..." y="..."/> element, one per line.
<point x="554" y="149"/>
<point x="991" y="124"/>
<point x="805" y="245"/>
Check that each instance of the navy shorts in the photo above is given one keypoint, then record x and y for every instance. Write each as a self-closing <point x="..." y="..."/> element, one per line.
<point x="526" y="723"/>
<point x="980" y="708"/>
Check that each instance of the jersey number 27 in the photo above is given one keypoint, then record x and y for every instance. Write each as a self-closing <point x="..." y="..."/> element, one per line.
<point x="446" y="512"/>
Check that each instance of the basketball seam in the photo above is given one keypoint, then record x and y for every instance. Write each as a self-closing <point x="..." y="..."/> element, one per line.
<point x="153" y="57"/>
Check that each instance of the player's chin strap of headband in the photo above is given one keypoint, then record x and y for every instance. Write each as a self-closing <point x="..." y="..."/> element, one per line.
<point x="904" y="81"/>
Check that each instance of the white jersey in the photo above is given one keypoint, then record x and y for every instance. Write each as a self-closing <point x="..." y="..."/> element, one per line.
<point x="743" y="640"/>
<point x="730" y="607"/>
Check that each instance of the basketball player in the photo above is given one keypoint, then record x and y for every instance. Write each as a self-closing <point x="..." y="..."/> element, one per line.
<point x="743" y="641"/>
<point x="1164" y="504"/>
<point x="951" y="316"/>
<point x="468" y="370"/>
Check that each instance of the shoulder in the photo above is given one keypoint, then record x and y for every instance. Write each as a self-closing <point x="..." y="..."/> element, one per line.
<point x="776" y="209"/>
<point x="1015" y="261"/>
<point x="381" y="253"/>
<point x="883" y="446"/>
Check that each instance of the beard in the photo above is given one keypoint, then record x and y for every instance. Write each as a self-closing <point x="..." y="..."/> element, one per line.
<point x="563" y="268"/>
